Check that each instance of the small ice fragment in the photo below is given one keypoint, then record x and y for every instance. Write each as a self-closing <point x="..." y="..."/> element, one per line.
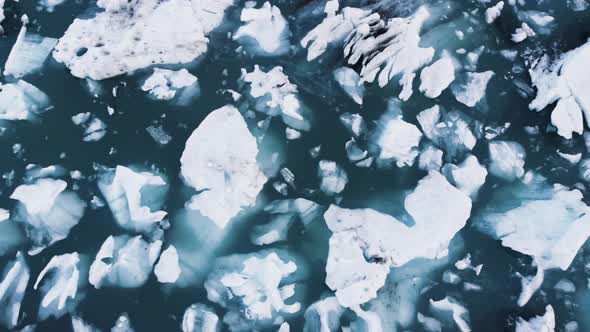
<point x="333" y="177"/>
<point x="430" y="158"/>
<point x="468" y="176"/>
<point x="323" y="315"/>
<point x="123" y="324"/>
<point x="507" y="159"/>
<point x="94" y="128"/>
<point x="494" y="12"/>
<point x="435" y="78"/>
<point x="4" y="215"/>
<point x="474" y="89"/>
<point x="349" y="81"/>
<point x="398" y="140"/>
<point x="567" y="117"/>
<point x="200" y="318"/>
<point x="59" y="291"/>
<point x="545" y="323"/>
<point x="459" y="315"/>
<point x="166" y="84"/>
<point x="565" y="286"/>
<point x="522" y="33"/>
<point x="159" y="134"/>
<point x="167" y="269"/>
<point x="21" y="101"/>
<point x="12" y="290"/>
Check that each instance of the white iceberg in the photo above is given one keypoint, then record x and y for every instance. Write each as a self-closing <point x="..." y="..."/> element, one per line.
<point x="468" y="176"/>
<point x="167" y="270"/>
<point x="567" y="117"/>
<point x="323" y="316"/>
<point x="349" y="81"/>
<point x="545" y="323"/>
<point x="128" y="36"/>
<point x="60" y="288"/>
<point x="225" y="171"/>
<point x="430" y="158"/>
<point x="200" y="318"/>
<point x="333" y="177"/>
<point x="522" y="33"/>
<point x="435" y="78"/>
<point x="12" y="290"/>
<point x="21" y="101"/>
<point x="166" y="84"/>
<point x="275" y="230"/>
<point x="397" y="139"/>
<point x="48" y="211"/>
<point x="254" y="288"/>
<point x="492" y="13"/>
<point x="473" y="90"/>
<point x="127" y="193"/>
<point x="123" y="324"/>
<point x="28" y="53"/>
<point x="507" y="159"/>
<point x="265" y="28"/>
<point x="459" y="314"/>
<point x="124" y="261"/>
<point x="94" y="128"/>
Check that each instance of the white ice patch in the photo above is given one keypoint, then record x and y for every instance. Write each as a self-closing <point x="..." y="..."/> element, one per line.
<point x="468" y="176"/>
<point x="398" y="140"/>
<point x="49" y="211"/>
<point x="61" y="286"/>
<point x="123" y="193"/>
<point x="165" y="84"/>
<point x="167" y="270"/>
<point x="132" y="35"/>
<point x="200" y="318"/>
<point x="12" y="290"/>
<point x="459" y="314"/>
<point x="430" y="158"/>
<point x="49" y="6"/>
<point x="265" y="28"/>
<point x="507" y="159"/>
<point x="522" y="33"/>
<point x="474" y="89"/>
<point x="123" y="261"/>
<point x="28" y="53"/>
<point x="545" y="323"/>
<point x="567" y="117"/>
<point x="435" y="78"/>
<point x="21" y="101"/>
<point x="323" y="315"/>
<point x="220" y="159"/>
<point x="349" y="81"/>
<point x="333" y="177"/>
<point x="94" y="128"/>
<point x="494" y="12"/>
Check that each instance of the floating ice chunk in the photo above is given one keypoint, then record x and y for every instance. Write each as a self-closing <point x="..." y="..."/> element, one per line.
<point x="273" y="94"/>
<point x="545" y="323"/>
<point x="542" y="22"/>
<point x="323" y="316"/>
<point x="578" y="5"/>
<point x="274" y="231"/>
<point x="565" y="285"/>
<point x="435" y="78"/>
<point x="507" y="160"/>
<point x="450" y="131"/>
<point x="429" y="324"/>
<point x="94" y="128"/>
<point x="59" y="291"/>
<point x="21" y="101"/>
<point x="48" y="211"/>
<point x="266" y="28"/>
<point x="474" y="88"/>
<point x="394" y="45"/>
<point x="2" y="17"/>
<point x="28" y="53"/>
<point x="494" y="12"/>
<point x="522" y="33"/>
<point x="50" y="5"/>
<point x="572" y="158"/>
<point x="349" y="81"/>
<point x="167" y="270"/>
<point x="550" y="223"/>
<point x="430" y="158"/>
<point x="155" y="32"/>
<point x="459" y="315"/>
<point x="354" y="123"/>
<point x="529" y="285"/>
<point x="334" y="28"/>
<point x="79" y="325"/>
<point x="333" y="177"/>
<point x="4" y="215"/>
<point x="397" y="139"/>
<point x="200" y="318"/>
<point x="166" y="84"/>
<point x="159" y="134"/>
<point x="585" y="170"/>
<point x="253" y="288"/>
<point x="226" y="171"/>
<point x="123" y="324"/>
<point x="468" y="176"/>
<point x="123" y="261"/>
<point x="12" y="290"/>
<point x="465" y="264"/>
<point x="567" y="117"/>
<point x="127" y="193"/>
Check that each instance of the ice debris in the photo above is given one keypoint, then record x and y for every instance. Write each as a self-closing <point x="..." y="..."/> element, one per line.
<point x="494" y="12"/>
<point x="522" y="33"/>
<point x="459" y="314"/>
<point x="61" y="286"/>
<point x="397" y="139"/>
<point x="12" y="290"/>
<point x="226" y="172"/>
<point x="123" y="261"/>
<point x="265" y="28"/>
<point x="128" y="36"/>
<point x="200" y="318"/>
<point x="333" y="177"/>
<point x="166" y="84"/>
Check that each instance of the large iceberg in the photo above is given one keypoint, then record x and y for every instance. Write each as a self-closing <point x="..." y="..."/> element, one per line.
<point x="128" y="36"/>
<point x="226" y="172"/>
<point x="265" y="29"/>
<point x="12" y="290"/>
<point x="48" y="210"/>
<point x="124" y="261"/>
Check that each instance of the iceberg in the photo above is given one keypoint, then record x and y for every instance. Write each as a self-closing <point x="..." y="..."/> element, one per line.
<point x="12" y="290"/>
<point x="60" y="288"/>
<point x="468" y="176"/>
<point x="323" y="316"/>
<point x="94" y="128"/>
<point x="522" y="33"/>
<point x="254" y="288"/>
<point x="459" y="314"/>
<point x="166" y="84"/>
<point x="28" y="53"/>
<point x="567" y="117"/>
<point x="167" y="270"/>
<point x="226" y="173"/>
<point x="122" y="324"/>
<point x="200" y="318"/>
<point x="492" y="13"/>
<point x="397" y="139"/>
<point x="349" y="81"/>
<point x="473" y="90"/>
<point x="48" y="210"/>
<point x="507" y="159"/>
<point x="333" y="177"/>
<point x="430" y="158"/>
<point x="131" y="196"/>
<point x="21" y="101"/>
<point x="435" y="78"/>
<point x="124" y="261"/>
<point x="128" y="36"/>
<point x="265" y="29"/>
<point x="545" y="323"/>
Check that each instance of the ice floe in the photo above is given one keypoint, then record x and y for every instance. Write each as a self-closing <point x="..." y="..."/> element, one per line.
<point x="458" y="313"/>
<point x="323" y="315"/>
<point x="545" y="323"/>
<point x="166" y="84"/>
<point x="507" y="159"/>
<point x="124" y="261"/>
<point x="12" y="290"/>
<point x="522" y="33"/>
<point x="333" y="177"/>
<point x="468" y="176"/>
<point x="494" y="12"/>
<point x="226" y="172"/>
<point x="350" y="82"/>
<point x="435" y="78"/>
<point x="473" y="90"/>
<point x="21" y="101"/>
<point x="28" y="53"/>
<point x="167" y="270"/>
<point x="200" y="318"/>
<point x="94" y="128"/>
<point x="128" y="36"/>
<point x="265" y="29"/>
<point x="397" y="139"/>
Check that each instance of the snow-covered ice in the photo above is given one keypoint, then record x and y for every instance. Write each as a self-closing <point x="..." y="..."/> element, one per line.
<point x="435" y="78"/>
<point x="473" y="90"/>
<point x="397" y="139"/>
<point x="545" y="323"/>
<point x="21" y="101"/>
<point x="507" y="159"/>
<point x="28" y="53"/>
<point x="468" y="176"/>
<point x="350" y="82"/>
<point x="265" y="29"/>
<point x="166" y="84"/>
<point x="227" y="172"/>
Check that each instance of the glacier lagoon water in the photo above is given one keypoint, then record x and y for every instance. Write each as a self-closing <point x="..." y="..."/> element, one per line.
<point x="55" y="140"/>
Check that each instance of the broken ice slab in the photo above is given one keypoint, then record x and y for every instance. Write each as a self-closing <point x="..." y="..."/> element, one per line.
<point x="22" y="101"/>
<point x="28" y="53"/>
<point x="167" y="270"/>
<point x="200" y="318"/>
<point x="264" y="31"/>
<point x="12" y="290"/>
<point x="180" y="86"/>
